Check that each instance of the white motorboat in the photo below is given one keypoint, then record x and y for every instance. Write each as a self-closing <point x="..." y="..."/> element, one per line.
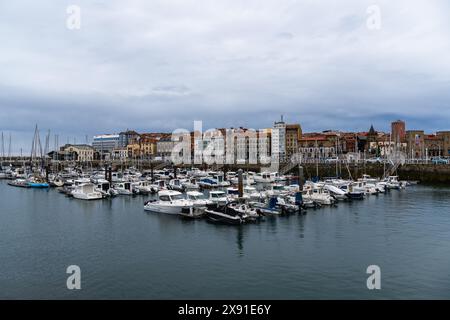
<point x="158" y="185"/>
<point x="368" y="179"/>
<point x="337" y="193"/>
<point x="143" y="187"/>
<point x="103" y="186"/>
<point x="197" y="198"/>
<point x="196" y="173"/>
<point x="22" y="183"/>
<point x="367" y="188"/>
<point x="392" y="182"/>
<point x="381" y="187"/>
<point x="253" y="194"/>
<point x="351" y="193"/>
<point x="86" y="191"/>
<point x="190" y="184"/>
<point x="265" y="177"/>
<point x="276" y="189"/>
<point x="218" y="197"/>
<point x="123" y="188"/>
<point x="175" y="184"/>
<point x="170" y="202"/>
<point x="55" y="181"/>
<point x="317" y="194"/>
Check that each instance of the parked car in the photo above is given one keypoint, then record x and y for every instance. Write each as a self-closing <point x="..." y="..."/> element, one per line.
<point x="439" y="160"/>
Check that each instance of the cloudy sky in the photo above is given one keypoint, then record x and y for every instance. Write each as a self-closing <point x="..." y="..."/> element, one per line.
<point x="161" y="64"/>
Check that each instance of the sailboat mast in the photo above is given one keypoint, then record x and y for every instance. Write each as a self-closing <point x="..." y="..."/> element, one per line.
<point x="317" y="161"/>
<point x="9" y="148"/>
<point x="3" y="148"/>
<point x="337" y="156"/>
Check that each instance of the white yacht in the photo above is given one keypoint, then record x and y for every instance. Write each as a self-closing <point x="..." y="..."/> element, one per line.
<point x="190" y="184"/>
<point x="103" y="186"/>
<point x="170" y="202"/>
<point x="124" y="188"/>
<point x="337" y="193"/>
<point x="265" y="177"/>
<point x="197" y="198"/>
<point x="175" y="184"/>
<point x="143" y="187"/>
<point x="276" y="189"/>
<point x="392" y="182"/>
<point x="218" y="197"/>
<point x="86" y="191"/>
<point x="367" y="188"/>
<point x="317" y="194"/>
<point x="252" y="193"/>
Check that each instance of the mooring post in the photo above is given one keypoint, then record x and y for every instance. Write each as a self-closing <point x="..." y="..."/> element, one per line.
<point x="110" y="176"/>
<point x="151" y="170"/>
<point x="301" y="178"/>
<point x="225" y="170"/>
<point x="240" y="184"/>
<point x="299" y="195"/>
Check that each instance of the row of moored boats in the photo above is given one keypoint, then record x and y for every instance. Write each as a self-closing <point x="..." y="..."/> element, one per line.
<point x="214" y="195"/>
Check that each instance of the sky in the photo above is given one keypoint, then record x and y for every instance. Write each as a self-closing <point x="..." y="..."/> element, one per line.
<point x="158" y="65"/>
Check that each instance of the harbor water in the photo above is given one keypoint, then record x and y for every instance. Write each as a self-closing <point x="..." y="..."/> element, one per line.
<point x="127" y="253"/>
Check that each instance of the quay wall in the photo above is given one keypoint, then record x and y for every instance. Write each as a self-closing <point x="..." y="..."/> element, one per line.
<point x="425" y="173"/>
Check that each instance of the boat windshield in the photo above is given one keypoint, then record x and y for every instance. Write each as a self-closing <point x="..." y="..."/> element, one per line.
<point x="217" y="195"/>
<point x="177" y="197"/>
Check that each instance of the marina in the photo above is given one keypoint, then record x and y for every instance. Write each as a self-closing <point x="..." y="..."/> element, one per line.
<point x="219" y="196"/>
<point x="237" y="158"/>
<point x="128" y="252"/>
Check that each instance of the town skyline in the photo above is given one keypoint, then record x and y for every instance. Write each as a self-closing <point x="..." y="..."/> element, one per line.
<point x="23" y="144"/>
<point x="290" y="138"/>
<point x="161" y="65"/>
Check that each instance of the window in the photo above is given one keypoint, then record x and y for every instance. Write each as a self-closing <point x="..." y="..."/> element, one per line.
<point x="164" y="198"/>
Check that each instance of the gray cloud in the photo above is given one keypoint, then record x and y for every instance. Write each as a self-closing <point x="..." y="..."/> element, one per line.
<point x="159" y="65"/>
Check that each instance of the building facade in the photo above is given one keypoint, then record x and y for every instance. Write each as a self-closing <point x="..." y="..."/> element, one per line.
<point x="416" y="144"/>
<point x="434" y="145"/>
<point x="78" y="152"/>
<point x="127" y="137"/>
<point x="105" y="143"/>
<point x="293" y="137"/>
<point x="164" y="147"/>
<point x="279" y="139"/>
<point x="119" y="154"/>
<point x="445" y="136"/>
<point x="144" y="148"/>
<point x="398" y="131"/>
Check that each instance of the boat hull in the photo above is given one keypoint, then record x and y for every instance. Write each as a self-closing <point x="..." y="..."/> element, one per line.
<point x="82" y="196"/>
<point x="220" y="217"/>
<point x="167" y="209"/>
